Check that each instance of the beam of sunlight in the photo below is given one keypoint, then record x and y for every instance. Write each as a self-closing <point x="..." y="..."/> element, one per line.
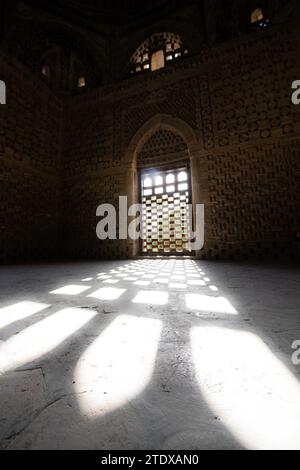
<point x="42" y="337"/>
<point x="118" y="366"/>
<point x="111" y="281"/>
<point x="19" y="311"/>
<point x="252" y="392"/>
<point x="108" y="293"/>
<point x="205" y="303"/>
<point x="151" y="298"/>
<point x="70" y="290"/>
<point x="88" y="279"/>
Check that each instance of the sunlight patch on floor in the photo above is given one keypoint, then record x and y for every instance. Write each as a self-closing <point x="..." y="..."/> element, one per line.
<point x="205" y="303"/>
<point x="151" y="298"/>
<point x="41" y="338"/>
<point x="108" y="293"/>
<point x="118" y="365"/>
<point x="19" y="311"/>
<point x="70" y="290"/>
<point x="251" y="391"/>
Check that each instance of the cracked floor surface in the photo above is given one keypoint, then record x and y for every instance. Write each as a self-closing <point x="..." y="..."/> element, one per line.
<point x="149" y="354"/>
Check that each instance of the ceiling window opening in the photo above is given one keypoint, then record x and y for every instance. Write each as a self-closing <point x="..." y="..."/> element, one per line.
<point x="46" y="71"/>
<point x="258" y="19"/>
<point x="257" y="15"/>
<point x="81" y="82"/>
<point x="157" y="52"/>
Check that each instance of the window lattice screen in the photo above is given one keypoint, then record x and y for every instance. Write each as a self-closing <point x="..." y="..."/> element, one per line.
<point x="166" y="218"/>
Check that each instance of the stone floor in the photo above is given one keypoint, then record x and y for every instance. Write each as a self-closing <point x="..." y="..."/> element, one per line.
<point x="164" y="354"/>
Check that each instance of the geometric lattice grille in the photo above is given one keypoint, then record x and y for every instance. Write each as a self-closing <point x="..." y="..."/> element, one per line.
<point x="166" y="217"/>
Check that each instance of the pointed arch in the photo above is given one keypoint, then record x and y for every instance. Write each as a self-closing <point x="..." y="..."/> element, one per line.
<point x="155" y="124"/>
<point x="150" y="128"/>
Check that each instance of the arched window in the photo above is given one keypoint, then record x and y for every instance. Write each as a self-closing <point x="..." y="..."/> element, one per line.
<point x="258" y="19"/>
<point x="46" y="71"/>
<point x="81" y="82"/>
<point x="157" y="52"/>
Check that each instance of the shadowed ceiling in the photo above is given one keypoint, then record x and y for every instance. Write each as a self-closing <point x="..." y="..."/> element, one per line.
<point x="110" y="9"/>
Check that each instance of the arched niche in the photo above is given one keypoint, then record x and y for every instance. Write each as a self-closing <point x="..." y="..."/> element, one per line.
<point x="161" y="141"/>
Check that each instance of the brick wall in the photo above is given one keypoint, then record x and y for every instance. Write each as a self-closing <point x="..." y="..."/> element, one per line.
<point x="30" y="172"/>
<point x="236" y="98"/>
<point x="60" y="160"/>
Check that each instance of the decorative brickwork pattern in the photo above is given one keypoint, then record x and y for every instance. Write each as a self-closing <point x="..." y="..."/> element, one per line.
<point x="30" y="154"/>
<point x="237" y="99"/>
<point x="164" y="146"/>
<point x="253" y="206"/>
<point x="175" y="99"/>
<point x="83" y="197"/>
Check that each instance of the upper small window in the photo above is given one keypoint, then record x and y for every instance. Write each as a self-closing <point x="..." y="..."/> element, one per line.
<point x="2" y="92"/>
<point x="257" y="15"/>
<point x="258" y="19"/>
<point x="46" y="71"/>
<point x="81" y="82"/>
